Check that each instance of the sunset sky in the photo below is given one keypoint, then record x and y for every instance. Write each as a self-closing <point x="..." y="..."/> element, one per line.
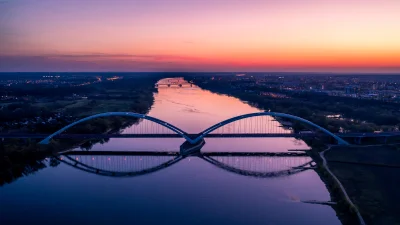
<point x="200" y="35"/>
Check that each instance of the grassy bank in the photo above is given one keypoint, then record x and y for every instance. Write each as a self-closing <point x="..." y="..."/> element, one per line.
<point x="370" y="176"/>
<point x="344" y="211"/>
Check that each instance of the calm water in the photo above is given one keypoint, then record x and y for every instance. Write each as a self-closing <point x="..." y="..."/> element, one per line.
<point x="190" y="191"/>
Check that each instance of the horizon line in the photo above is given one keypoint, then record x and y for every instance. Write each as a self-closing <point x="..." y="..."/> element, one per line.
<point x="272" y="72"/>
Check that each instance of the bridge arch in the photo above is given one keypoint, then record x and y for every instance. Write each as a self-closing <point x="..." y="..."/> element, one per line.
<point x="125" y="114"/>
<point x="283" y="115"/>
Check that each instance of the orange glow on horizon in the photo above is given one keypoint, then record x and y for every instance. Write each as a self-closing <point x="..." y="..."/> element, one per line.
<point x="201" y="35"/>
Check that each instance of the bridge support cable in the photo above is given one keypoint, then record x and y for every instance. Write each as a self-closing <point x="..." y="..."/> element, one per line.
<point x="272" y="125"/>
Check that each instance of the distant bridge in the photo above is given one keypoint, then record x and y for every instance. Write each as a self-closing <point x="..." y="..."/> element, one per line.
<point x="261" y="124"/>
<point x="174" y="82"/>
<point x="132" y="163"/>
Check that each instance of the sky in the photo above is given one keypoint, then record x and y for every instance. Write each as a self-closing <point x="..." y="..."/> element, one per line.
<point x="200" y="35"/>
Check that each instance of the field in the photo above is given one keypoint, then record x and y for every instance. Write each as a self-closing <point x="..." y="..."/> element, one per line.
<point x="84" y="108"/>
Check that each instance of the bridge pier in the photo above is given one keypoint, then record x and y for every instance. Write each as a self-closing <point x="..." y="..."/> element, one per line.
<point x="1" y="145"/>
<point x="357" y="140"/>
<point x="188" y="148"/>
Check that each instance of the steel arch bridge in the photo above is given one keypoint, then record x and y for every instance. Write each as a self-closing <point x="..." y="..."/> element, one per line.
<point x="197" y="138"/>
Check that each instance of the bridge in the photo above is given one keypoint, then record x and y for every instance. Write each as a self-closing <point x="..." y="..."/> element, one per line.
<point x="174" y="82"/>
<point x="134" y="163"/>
<point x="253" y="125"/>
<point x="118" y="135"/>
<point x="127" y="135"/>
<point x="261" y="124"/>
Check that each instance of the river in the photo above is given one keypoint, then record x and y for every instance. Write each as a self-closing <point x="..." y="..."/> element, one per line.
<point x="190" y="191"/>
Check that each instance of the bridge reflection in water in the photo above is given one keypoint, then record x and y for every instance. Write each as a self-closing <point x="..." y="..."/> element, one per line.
<point x="130" y="164"/>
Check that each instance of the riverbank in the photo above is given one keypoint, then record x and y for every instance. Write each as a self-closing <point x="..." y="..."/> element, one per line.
<point x="370" y="176"/>
<point x="344" y="208"/>
<point x="355" y="114"/>
<point x="126" y="95"/>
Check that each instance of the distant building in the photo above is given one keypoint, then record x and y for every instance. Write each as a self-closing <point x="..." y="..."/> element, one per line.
<point x="349" y="90"/>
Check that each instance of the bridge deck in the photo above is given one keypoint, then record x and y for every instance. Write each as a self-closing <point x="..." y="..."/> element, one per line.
<point x="256" y="135"/>
<point x="101" y="136"/>
<point x="147" y="153"/>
